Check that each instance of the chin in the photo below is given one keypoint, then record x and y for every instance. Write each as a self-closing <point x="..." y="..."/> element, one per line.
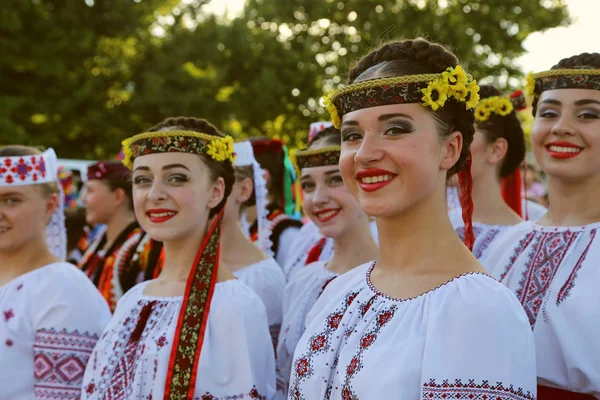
<point x="329" y="231"/>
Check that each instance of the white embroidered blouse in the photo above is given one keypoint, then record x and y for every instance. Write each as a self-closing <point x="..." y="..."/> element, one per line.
<point x="484" y="233"/>
<point x="267" y="281"/>
<point x="132" y="356"/>
<point x="468" y="338"/>
<point x="555" y="274"/>
<point x="50" y="321"/>
<point x="300" y="296"/>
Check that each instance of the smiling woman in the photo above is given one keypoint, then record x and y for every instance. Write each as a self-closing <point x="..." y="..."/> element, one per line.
<point x="200" y="330"/>
<point x="424" y="321"/>
<point x="552" y="265"/>
<point x="52" y="314"/>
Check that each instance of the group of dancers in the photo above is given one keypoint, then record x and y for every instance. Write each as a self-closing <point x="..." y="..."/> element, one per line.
<point x="417" y="272"/>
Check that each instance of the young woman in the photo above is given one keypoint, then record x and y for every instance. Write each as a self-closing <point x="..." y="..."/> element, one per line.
<point x="195" y="331"/>
<point x="424" y="321"/>
<point x="107" y="200"/>
<point x="552" y="265"/>
<point x="238" y="253"/>
<point x="51" y="315"/>
<point x="338" y="216"/>
<point x="498" y="149"/>
<point x="272" y="156"/>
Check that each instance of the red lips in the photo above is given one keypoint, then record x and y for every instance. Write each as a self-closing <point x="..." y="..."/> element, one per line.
<point x="160" y="215"/>
<point x="327" y="214"/>
<point x="373" y="179"/>
<point x="563" y="149"/>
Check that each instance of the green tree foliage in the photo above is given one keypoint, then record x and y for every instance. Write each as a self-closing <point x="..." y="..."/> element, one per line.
<point x="81" y="76"/>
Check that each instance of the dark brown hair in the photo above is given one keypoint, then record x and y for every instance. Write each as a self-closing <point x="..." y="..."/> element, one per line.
<point x="269" y="154"/>
<point x="223" y="169"/>
<point x="507" y="127"/>
<point x="591" y="60"/>
<point x="16" y="150"/>
<point x="330" y="136"/>
<point x="420" y="56"/>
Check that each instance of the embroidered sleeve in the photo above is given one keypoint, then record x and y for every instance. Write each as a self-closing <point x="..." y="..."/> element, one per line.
<point x="60" y="359"/>
<point x="480" y="345"/>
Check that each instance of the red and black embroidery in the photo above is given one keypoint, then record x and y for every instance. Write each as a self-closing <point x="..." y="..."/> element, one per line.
<point x="169" y="144"/>
<point x="252" y="394"/>
<point x="574" y="81"/>
<point x="470" y="390"/>
<point x="318" y="158"/>
<point x="566" y="289"/>
<point x="59" y="362"/>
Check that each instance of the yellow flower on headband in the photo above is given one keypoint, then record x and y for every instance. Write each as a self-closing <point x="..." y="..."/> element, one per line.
<point x="498" y="105"/>
<point x="457" y="79"/>
<point x="504" y="106"/>
<point x="530" y="86"/>
<point x="128" y="154"/>
<point x="435" y="94"/>
<point x="221" y="149"/>
<point x="332" y="110"/>
<point x="482" y="114"/>
<point x="472" y="96"/>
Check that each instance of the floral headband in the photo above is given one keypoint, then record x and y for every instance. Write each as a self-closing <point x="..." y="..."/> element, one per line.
<point x="318" y="158"/>
<point x="218" y="148"/>
<point x="574" y="78"/>
<point x="431" y="90"/>
<point x="499" y="105"/>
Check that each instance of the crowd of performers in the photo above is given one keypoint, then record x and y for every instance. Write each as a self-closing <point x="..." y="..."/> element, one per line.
<point x="412" y="269"/>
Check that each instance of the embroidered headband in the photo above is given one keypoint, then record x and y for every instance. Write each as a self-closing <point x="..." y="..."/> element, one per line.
<point x="573" y="78"/>
<point x="179" y="141"/>
<point x="113" y="170"/>
<point x="33" y="170"/>
<point x="431" y="90"/>
<point x="318" y="158"/>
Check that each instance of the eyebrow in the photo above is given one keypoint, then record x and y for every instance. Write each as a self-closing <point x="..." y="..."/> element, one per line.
<point x="552" y="101"/>
<point x="385" y="117"/>
<point x="166" y="167"/>
<point x="350" y="122"/>
<point x="584" y="102"/>
<point x="9" y="194"/>
<point x="333" y="171"/>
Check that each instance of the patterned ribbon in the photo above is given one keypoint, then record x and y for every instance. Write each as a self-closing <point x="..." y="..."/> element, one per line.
<point x="193" y="318"/>
<point x="318" y="158"/>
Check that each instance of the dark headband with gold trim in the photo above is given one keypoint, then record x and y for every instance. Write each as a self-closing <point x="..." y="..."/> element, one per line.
<point x="573" y="78"/>
<point x="318" y="158"/>
<point x="431" y="90"/>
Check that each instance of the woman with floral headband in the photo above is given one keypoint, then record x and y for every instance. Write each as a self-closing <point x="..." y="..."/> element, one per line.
<point x="498" y="149"/>
<point x="552" y="265"/>
<point x="339" y="217"/>
<point x="424" y="321"/>
<point x="272" y="155"/>
<point x="50" y="313"/>
<point x="239" y="254"/>
<point x="107" y="200"/>
<point x="195" y="331"/>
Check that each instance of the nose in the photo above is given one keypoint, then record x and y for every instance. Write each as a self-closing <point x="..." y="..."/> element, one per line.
<point x="369" y="151"/>
<point x="321" y="195"/>
<point x="564" y="126"/>
<point x="156" y="194"/>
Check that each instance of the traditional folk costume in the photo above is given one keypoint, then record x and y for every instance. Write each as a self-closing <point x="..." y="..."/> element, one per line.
<point x="467" y="338"/>
<point x="283" y="226"/>
<point x="265" y="277"/>
<point x="100" y="264"/>
<point x="51" y="316"/>
<point x="554" y="273"/>
<point x="211" y="343"/>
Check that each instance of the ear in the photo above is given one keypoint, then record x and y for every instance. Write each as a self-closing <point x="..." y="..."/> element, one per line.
<point x="451" y="151"/>
<point x="246" y="189"/>
<point x="498" y="151"/>
<point x="120" y="197"/>
<point x="216" y="193"/>
<point x="51" y="206"/>
<point x="266" y="175"/>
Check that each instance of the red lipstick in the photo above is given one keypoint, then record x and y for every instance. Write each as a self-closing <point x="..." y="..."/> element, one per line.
<point x="373" y="179"/>
<point x="160" y="215"/>
<point x="563" y="150"/>
<point x="327" y="214"/>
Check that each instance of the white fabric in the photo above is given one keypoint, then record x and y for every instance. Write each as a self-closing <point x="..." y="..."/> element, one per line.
<point x="534" y="210"/>
<point x="453" y="198"/>
<point x="286" y="243"/>
<point x="554" y="272"/>
<point x="266" y="279"/>
<point x="244" y="156"/>
<point x="465" y="339"/>
<point x="484" y="234"/>
<point x="300" y="296"/>
<point x="237" y="354"/>
<point x="51" y="319"/>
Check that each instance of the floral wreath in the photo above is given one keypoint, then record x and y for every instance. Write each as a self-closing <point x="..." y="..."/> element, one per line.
<point x="496" y="104"/>
<point x="572" y="78"/>
<point x="431" y="90"/>
<point x="179" y="141"/>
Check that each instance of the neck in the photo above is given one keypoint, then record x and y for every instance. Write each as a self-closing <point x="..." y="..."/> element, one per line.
<point x="353" y="247"/>
<point x="180" y="255"/>
<point x="117" y="224"/>
<point x="237" y="250"/>
<point x="420" y="229"/>
<point x="572" y="203"/>
<point x="33" y="255"/>
<point x="488" y="205"/>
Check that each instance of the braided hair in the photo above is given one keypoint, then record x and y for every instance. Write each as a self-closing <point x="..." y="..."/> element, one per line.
<point x="507" y="127"/>
<point x="590" y="60"/>
<point x="420" y="56"/>
<point x="329" y="136"/>
<point x="223" y="169"/>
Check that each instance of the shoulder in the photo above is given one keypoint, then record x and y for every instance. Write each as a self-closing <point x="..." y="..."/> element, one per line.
<point x="264" y="270"/>
<point x="353" y="280"/>
<point x="234" y="299"/>
<point x="65" y="278"/>
<point x="503" y="244"/>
